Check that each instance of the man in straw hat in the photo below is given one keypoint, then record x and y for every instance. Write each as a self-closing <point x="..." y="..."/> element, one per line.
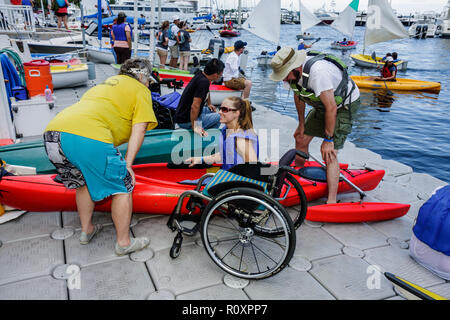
<point x="322" y="82"/>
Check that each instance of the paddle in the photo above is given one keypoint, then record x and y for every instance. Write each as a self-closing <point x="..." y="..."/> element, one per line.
<point x="374" y="57"/>
<point x="317" y="40"/>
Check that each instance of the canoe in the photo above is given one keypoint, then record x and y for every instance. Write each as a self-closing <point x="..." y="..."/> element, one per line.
<point x="66" y="75"/>
<point x="366" y="61"/>
<point x="401" y="84"/>
<point x="412" y="291"/>
<point x="348" y="46"/>
<point x="229" y="33"/>
<point x="156" y="191"/>
<point x="157" y="147"/>
<point x="307" y="36"/>
<point x="356" y="212"/>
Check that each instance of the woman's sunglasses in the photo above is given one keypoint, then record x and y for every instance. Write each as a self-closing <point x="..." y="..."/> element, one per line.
<point x="225" y="109"/>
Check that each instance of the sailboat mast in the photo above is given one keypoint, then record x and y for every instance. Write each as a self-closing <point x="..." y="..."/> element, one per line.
<point x="135" y="21"/>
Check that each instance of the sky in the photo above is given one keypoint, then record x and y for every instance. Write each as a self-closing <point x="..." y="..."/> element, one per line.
<point x="402" y="6"/>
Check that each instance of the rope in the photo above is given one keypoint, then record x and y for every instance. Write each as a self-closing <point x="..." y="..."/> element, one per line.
<point x="18" y="63"/>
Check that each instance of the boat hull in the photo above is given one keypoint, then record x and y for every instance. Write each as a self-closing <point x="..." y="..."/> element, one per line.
<point x="67" y="76"/>
<point x="401" y="84"/>
<point x="366" y="61"/>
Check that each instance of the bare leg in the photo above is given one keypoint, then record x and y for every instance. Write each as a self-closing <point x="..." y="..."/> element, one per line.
<point x="65" y="22"/>
<point x="121" y="210"/>
<point x="332" y="179"/>
<point x="173" y="62"/>
<point x="85" y="207"/>
<point x="248" y="87"/>
<point x="302" y="144"/>
<point x="59" y="22"/>
<point x="162" y="60"/>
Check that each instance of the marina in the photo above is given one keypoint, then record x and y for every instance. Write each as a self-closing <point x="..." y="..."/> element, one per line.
<point x="400" y="132"/>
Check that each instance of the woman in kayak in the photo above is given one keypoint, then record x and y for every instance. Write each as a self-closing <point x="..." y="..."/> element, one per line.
<point x="388" y="72"/>
<point x="239" y="143"/>
<point x="81" y="143"/>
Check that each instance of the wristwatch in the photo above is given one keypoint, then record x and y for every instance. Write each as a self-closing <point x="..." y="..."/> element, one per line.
<point x="328" y="138"/>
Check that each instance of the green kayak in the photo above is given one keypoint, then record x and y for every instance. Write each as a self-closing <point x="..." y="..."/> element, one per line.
<point x="160" y="145"/>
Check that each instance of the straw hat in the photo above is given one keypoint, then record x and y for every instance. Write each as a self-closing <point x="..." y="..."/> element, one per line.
<point x="284" y="61"/>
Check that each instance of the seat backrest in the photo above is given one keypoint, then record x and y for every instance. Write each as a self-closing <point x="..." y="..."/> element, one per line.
<point x="287" y="158"/>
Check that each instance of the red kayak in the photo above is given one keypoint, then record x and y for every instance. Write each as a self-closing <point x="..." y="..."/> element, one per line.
<point x="156" y="192"/>
<point x="229" y="33"/>
<point x="356" y="212"/>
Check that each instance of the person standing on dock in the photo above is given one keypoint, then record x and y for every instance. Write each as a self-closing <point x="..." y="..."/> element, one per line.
<point x="162" y="44"/>
<point x="121" y="35"/>
<point x="81" y="143"/>
<point x="232" y="74"/>
<point x="29" y="3"/>
<point x="60" y="9"/>
<point x="322" y="82"/>
<point x="173" y="44"/>
<point x="184" y="39"/>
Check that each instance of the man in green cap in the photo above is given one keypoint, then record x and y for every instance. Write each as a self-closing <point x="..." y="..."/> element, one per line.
<point x="321" y="81"/>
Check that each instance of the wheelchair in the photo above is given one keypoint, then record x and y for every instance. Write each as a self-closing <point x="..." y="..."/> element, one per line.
<point x="243" y="227"/>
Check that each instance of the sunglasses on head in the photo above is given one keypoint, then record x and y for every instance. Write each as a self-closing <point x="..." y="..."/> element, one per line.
<point x="226" y="109"/>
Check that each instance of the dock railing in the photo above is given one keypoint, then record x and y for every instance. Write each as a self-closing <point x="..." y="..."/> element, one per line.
<point x="16" y="18"/>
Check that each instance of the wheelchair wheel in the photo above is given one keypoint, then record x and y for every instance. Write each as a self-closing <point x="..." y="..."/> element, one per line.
<point x="268" y="225"/>
<point x="228" y="234"/>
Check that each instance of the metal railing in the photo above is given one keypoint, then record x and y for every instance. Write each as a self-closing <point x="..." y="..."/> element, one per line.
<point x="16" y="18"/>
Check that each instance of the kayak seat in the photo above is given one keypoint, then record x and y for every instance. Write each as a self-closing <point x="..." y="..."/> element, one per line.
<point x="318" y="174"/>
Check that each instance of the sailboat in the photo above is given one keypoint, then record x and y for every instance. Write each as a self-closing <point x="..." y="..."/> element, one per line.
<point x="382" y="25"/>
<point x="307" y="20"/>
<point x="258" y="24"/>
<point x="345" y="23"/>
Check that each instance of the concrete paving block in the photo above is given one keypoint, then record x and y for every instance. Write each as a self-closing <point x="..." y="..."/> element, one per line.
<point x="288" y="284"/>
<point x="392" y="192"/>
<point x="30" y="225"/>
<point x="392" y="168"/>
<point x="192" y="270"/>
<point x="414" y="209"/>
<point x="400" y="228"/>
<point x="114" y="280"/>
<point x="161" y="237"/>
<point x="350" y="154"/>
<point x="161" y="295"/>
<point x="398" y="261"/>
<point x="43" y="288"/>
<point x="423" y="183"/>
<point x="99" y="249"/>
<point x="218" y="292"/>
<point x="441" y="289"/>
<point x="29" y="258"/>
<point x="72" y="219"/>
<point x="347" y="278"/>
<point x="358" y="235"/>
<point x="315" y="243"/>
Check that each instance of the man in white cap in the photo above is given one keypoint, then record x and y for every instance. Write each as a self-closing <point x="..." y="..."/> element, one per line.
<point x="173" y="44"/>
<point x="232" y="77"/>
<point x="321" y="81"/>
<point x="302" y="45"/>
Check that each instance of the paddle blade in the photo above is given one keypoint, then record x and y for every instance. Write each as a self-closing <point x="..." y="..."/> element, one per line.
<point x="356" y="212"/>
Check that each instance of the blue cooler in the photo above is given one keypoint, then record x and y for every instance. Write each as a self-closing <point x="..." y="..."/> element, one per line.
<point x="20" y="93"/>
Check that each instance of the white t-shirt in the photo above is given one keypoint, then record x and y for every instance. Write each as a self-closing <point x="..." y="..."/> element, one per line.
<point x="174" y="32"/>
<point x="231" y="67"/>
<point x="324" y="75"/>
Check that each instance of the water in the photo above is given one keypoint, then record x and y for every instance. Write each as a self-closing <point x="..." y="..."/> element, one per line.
<point x="411" y="128"/>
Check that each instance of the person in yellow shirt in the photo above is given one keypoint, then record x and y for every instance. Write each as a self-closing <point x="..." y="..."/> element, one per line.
<point x="81" y="142"/>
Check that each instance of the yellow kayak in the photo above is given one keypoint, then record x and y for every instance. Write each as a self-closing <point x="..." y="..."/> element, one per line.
<point x="401" y="84"/>
<point x="412" y="291"/>
<point x="226" y="50"/>
<point x="364" y="60"/>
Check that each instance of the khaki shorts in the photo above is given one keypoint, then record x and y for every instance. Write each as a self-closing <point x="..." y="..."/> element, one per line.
<point x="174" y="52"/>
<point x="161" y="52"/>
<point x="315" y="123"/>
<point x="235" y="83"/>
<point x="185" y="53"/>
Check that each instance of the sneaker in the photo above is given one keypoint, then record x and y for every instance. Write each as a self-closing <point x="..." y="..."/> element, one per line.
<point x="136" y="244"/>
<point x="86" y="237"/>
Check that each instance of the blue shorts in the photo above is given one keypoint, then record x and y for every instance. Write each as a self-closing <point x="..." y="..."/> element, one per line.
<point x="82" y="161"/>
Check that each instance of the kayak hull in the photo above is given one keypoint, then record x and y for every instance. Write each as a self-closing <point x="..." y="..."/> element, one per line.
<point x="401" y="84"/>
<point x="228" y="33"/>
<point x="156" y="191"/>
<point x="349" y="46"/>
<point x="356" y="212"/>
<point x="366" y="61"/>
<point x="157" y="147"/>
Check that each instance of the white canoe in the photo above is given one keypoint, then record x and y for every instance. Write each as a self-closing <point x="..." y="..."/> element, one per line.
<point x="69" y="76"/>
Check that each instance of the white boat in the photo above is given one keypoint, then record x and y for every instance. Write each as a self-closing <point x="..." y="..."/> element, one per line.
<point x="307" y="20"/>
<point x="69" y="75"/>
<point x="345" y="24"/>
<point x="424" y="27"/>
<point x="444" y="22"/>
<point x="382" y="25"/>
<point x="257" y="24"/>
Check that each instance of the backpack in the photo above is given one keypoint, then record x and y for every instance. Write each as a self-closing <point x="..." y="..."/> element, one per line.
<point x="165" y="116"/>
<point x="171" y="35"/>
<point x="180" y="37"/>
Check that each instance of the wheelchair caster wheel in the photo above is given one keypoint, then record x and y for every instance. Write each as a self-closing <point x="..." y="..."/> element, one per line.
<point x="176" y="246"/>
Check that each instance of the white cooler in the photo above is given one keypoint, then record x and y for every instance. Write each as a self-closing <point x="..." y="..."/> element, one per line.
<point x="32" y="116"/>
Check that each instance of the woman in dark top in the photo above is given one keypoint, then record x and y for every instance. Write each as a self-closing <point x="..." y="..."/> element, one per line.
<point x="162" y="41"/>
<point x="183" y="39"/>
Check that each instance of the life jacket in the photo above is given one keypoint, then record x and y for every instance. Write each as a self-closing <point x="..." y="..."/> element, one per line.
<point x="301" y="46"/>
<point x="230" y="156"/>
<point x="180" y="37"/>
<point x="61" y="3"/>
<point x="119" y="31"/>
<point x="386" y="73"/>
<point x="308" y="96"/>
<point x="26" y="2"/>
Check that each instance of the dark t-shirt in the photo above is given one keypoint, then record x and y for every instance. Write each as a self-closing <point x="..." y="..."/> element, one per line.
<point x="198" y="87"/>
<point x="185" y="46"/>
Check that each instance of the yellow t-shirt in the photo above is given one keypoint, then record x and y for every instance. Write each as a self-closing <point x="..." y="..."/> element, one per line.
<point x="108" y="111"/>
